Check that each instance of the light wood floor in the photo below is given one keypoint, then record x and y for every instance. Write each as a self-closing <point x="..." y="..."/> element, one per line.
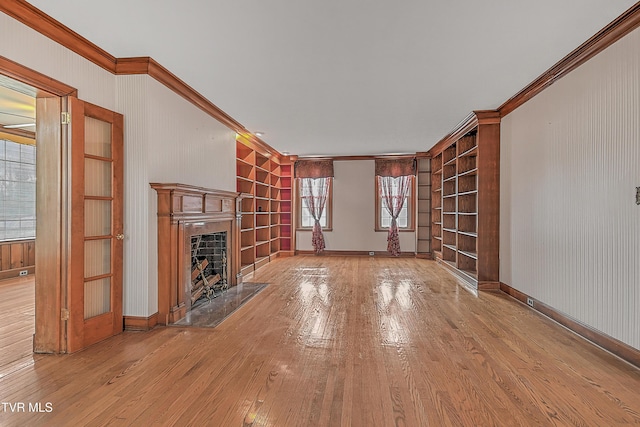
<point x="339" y="342"/>
<point x="17" y="324"/>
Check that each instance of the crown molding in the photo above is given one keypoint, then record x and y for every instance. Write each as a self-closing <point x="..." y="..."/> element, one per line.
<point x="250" y="140"/>
<point x="351" y="158"/>
<point x="44" y="24"/>
<point x="47" y="26"/>
<point x="473" y="120"/>
<point x="56" y="31"/>
<point x="620" y="27"/>
<point x="147" y="65"/>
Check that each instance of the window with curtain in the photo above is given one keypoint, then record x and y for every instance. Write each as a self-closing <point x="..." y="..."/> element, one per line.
<point x="314" y="190"/>
<point x="17" y="191"/>
<point x="405" y="218"/>
<point x="307" y="188"/>
<point x="394" y="198"/>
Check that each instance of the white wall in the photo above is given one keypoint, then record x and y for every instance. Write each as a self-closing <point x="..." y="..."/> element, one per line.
<point x="166" y="139"/>
<point x="31" y="49"/>
<point x="570" y="165"/>
<point x="354" y="213"/>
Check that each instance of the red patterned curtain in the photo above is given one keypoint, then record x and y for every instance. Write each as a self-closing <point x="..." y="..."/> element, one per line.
<point x="313" y="194"/>
<point x="313" y="168"/>
<point x="315" y="179"/>
<point x="394" y="183"/>
<point x="395" y="167"/>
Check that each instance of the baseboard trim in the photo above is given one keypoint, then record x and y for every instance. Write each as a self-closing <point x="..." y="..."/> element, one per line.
<point x="246" y="276"/>
<point x="136" y="323"/>
<point x="469" y="282"/>
<point x="488" y="286"/>
<point x="384" y="254"/>
<point x="9" y="274"/>
<point x="620" y="349"/>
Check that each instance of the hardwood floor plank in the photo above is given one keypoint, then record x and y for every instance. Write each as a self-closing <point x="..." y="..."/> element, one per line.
<point x="354" y="341"/>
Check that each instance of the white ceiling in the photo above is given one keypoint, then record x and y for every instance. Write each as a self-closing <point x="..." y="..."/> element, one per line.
<point x="345" y="77"/>
<point x="17" y="107"/>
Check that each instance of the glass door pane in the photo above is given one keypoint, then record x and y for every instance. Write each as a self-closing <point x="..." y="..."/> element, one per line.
<point x="97" y="297"/>
<point x="97" y="137"/>
<point x="98" y="202"/>
<point x="97" y="217"/>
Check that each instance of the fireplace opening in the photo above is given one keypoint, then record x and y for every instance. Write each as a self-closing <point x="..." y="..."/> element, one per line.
<point x="208" y="267"/>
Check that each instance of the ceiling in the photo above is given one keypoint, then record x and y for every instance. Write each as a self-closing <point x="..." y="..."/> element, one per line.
<point x="17" y="107"/>
<point x="345" y="77"/>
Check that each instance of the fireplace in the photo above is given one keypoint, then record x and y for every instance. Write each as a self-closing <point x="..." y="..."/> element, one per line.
<point x="208" y="267"/>
<point x="198" y="246"/>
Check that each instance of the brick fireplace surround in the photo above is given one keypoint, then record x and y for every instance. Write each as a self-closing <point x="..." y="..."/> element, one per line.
<point x="185" y="211"/>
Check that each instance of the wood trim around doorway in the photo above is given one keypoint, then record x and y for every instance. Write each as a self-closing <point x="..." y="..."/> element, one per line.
<point x="45" y="86"/>
<point x="50" y="328"/>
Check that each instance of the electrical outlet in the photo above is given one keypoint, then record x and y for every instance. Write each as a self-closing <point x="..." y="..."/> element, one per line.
<point x="24" y="272"/>
<point x="530" y="302"/>
<point x="372" y="253"/>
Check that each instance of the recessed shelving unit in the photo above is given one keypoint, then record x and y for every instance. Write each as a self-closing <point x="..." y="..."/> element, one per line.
<point x="286" y="192"/>
<point x="465" y="199"/>
<point x="436" y="206"/>
<point x="264" y="179"/>
<point x="423" y="224"/>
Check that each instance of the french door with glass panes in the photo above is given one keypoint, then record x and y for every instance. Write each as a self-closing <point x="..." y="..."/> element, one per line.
<point x="94" y="297"/>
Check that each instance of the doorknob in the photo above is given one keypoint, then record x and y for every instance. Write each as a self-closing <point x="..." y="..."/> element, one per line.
<point x="120" y="236"/>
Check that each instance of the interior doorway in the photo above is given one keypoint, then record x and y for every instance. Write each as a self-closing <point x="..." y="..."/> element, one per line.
<point x="17" y="222"/>
<point x="78" y="200"/>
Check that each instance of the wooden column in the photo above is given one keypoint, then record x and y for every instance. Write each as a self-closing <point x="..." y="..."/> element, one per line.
<point x="488" y="139"/>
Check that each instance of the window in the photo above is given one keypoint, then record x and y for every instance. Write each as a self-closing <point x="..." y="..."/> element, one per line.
<point x="405" y="220"/>
<point x="17" y="191"/>
<point x="311" y="188"/>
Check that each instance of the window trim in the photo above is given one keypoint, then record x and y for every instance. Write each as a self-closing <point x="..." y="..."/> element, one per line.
<point x="328" y="207"/>
<point x="32" y="195"/>
<point x="411" y="209"/>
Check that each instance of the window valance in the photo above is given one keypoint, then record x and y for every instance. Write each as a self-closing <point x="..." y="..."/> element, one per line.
<point x="314" y="169"/>
<point x="395" y="167"/>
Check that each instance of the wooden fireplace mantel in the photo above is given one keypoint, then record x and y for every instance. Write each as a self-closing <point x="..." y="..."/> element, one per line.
<point x="185" y="211"/>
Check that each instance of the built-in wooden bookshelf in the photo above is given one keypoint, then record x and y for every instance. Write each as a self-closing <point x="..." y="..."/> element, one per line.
<point x="286" y="209"/>
<point x="264" y="179"/>
<point x="423" y="224"/>
<point x="465" y="199"/>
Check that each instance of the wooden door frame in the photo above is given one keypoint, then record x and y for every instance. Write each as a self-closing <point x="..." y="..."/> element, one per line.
<point x="53" y="206"/>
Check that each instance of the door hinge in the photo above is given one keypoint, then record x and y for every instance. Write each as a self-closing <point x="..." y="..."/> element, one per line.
<point x="66" y="118"/>
<point x="64" y="314"/>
